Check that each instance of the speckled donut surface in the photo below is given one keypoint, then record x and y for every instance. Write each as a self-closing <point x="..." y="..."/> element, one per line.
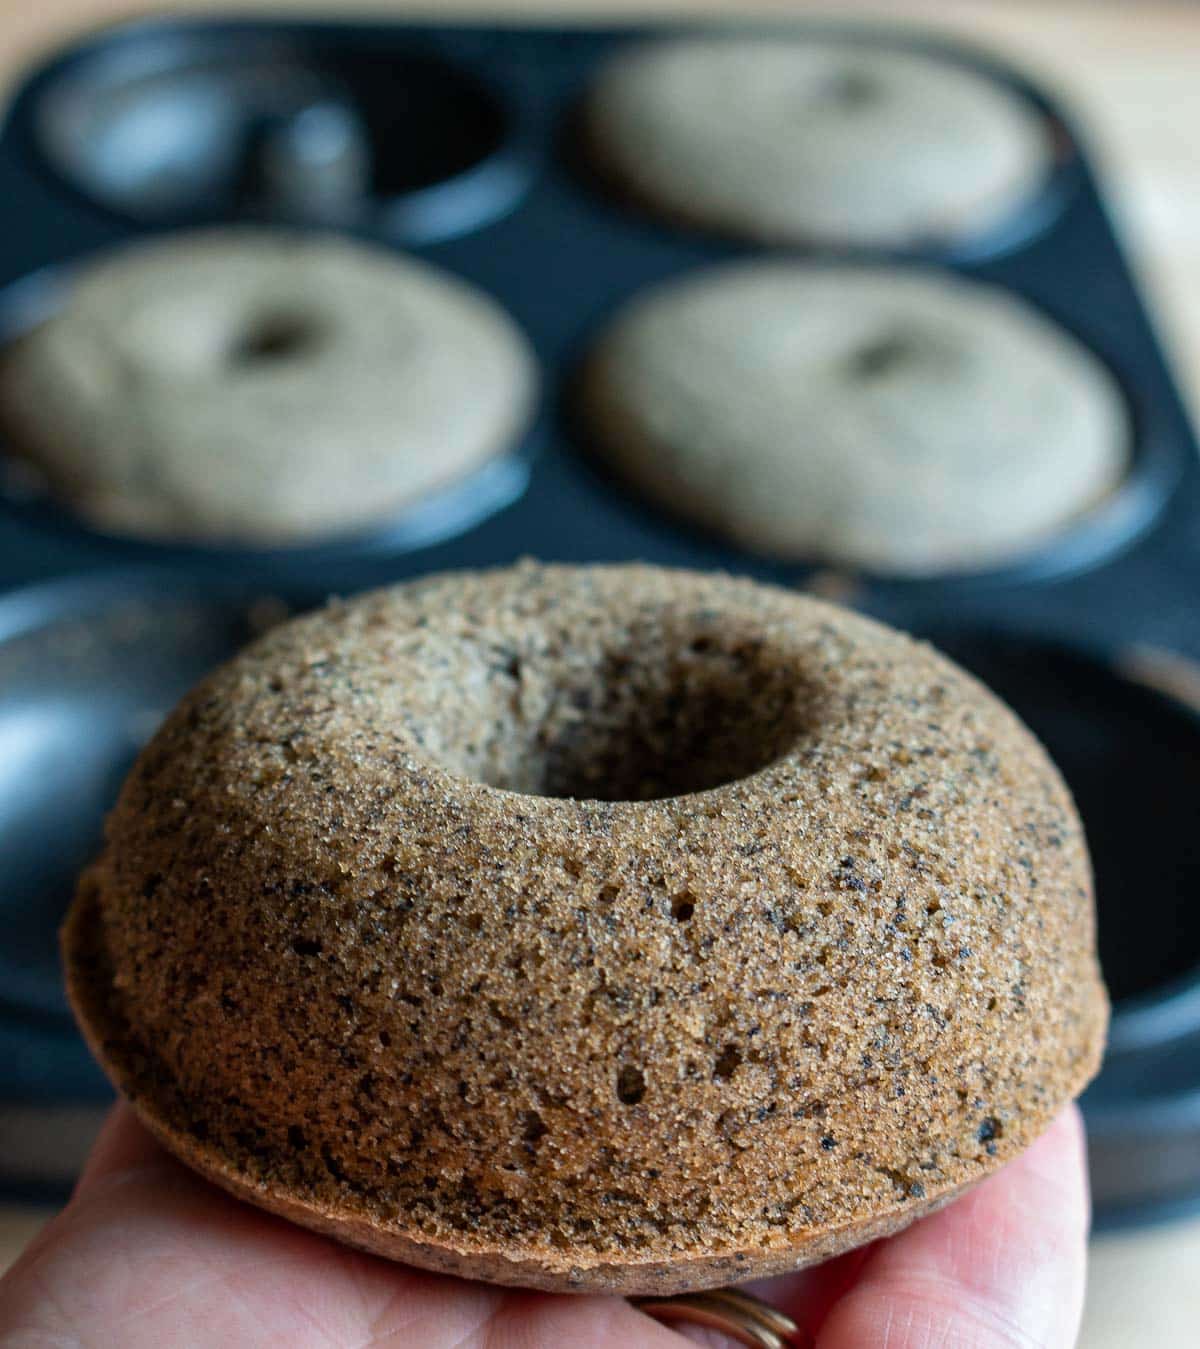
<point x="898" y="420"/>
<point x="803" y="139"/>
<point x="259" y="386"/>
<point x="607" y="928"/>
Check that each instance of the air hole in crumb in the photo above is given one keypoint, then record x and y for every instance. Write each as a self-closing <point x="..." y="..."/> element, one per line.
<point x="631" y="1085"/>
<point x="295" y="1136"/>
<point x="728" y="1063"/>
<point x="474" y="922"/>
<point x="533" y="1127"/>
<point x="682" y="907"/>
<point x="385" y="1039"/>
<point x="332" y="1165"/>
<point x="989" y="1129"/>
<point x="306" y="946"/>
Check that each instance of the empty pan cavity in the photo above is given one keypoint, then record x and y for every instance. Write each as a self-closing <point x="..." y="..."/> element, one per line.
<point x="1131" y="756"/>
<point x="87" y="672"/>
<point x="195" y="126"/>
<point x="1126" y="734"/>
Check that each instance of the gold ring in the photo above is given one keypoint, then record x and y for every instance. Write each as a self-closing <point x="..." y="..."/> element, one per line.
<point x="746" y="1319"/>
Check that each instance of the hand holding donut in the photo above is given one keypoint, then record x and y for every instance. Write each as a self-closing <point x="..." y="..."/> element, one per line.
<point x="610" y="932"/>
<point x="147" y="1254"/>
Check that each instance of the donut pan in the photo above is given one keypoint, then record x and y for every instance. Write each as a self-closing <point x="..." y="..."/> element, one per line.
<point x="87" y="670"/>
<point x="461" y="145"/>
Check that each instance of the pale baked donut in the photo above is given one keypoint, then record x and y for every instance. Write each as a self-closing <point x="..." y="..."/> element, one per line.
<point x="263" y="387"/>
<point x="901" y="421"/>
<point x="795" y="139"/>
<point x="592" y="928"/>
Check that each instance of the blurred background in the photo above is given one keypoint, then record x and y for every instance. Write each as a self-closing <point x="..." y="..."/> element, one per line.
<point x="1092" y="634"/>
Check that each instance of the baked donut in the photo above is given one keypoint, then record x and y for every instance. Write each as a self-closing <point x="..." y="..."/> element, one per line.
<point x="897" y="420"/>
<point x="792" y="139"/>
<point x="592" y="929"/>
<point x="256" y="386"/>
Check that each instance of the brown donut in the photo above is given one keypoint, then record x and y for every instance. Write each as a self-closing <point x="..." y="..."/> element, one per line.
<point x="257" y="386"/>
<point x="592" y="928"/>
<point x="797" y="138"/>
<point x="902" y="421"/>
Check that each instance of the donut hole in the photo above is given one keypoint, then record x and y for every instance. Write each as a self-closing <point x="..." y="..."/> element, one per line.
<point x="671" y="745"/>
<point x="851" y="90"/>
<point x="899" y="351"/>
<point x="881" y="356"/>
<point x="272" y="337"/>
<point x="653" y="717"/>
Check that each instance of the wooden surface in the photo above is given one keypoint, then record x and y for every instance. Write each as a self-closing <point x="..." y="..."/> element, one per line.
<point x="1129" y="72"/>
